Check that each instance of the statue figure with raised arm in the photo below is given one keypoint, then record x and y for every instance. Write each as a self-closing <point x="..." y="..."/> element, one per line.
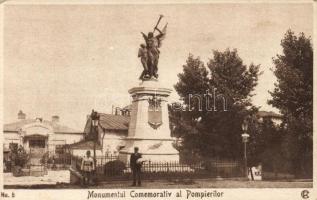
<point x="150" y="52"/>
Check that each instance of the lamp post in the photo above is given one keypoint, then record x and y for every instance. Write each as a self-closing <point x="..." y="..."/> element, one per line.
<point x="245" y="137"/>
<point x="94" y="130"/>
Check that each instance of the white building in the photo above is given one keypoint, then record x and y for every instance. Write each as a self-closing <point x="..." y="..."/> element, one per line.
<point x="276" y="118"/>
<point x="112" y="130"/>
<point x="39" y="135"/>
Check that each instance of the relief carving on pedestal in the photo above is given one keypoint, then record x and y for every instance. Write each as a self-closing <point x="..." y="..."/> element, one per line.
<point x="155" y="112"/>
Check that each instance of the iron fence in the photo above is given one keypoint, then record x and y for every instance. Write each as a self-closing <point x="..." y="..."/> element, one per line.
<point x="109" y="168"/>
<point x="57" y="161"/>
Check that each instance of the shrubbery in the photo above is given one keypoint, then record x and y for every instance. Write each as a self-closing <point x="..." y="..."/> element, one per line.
<point x="19" y="159"/>
<point x="114" y="168"/>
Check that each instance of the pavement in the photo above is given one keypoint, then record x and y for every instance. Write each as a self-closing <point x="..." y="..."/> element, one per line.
<point x="184" y="183"/>
<point x="52" y="178"/>
<point x="208" y="183"/>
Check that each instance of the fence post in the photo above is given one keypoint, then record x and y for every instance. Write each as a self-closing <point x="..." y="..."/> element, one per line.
<point x="101" y="165"/>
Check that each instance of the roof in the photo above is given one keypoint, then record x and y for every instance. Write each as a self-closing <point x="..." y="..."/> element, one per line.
<point x="110" y="122"/>
<point x="268" y="114"/>
<point x="57" y="128"/>
<point x="85" y="145"/>
<point x="114" y="122"/>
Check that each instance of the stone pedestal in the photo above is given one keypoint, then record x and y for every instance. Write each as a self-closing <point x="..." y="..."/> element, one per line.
<point x="149" y="130"/>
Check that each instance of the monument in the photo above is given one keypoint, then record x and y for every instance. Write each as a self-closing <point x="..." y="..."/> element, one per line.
<point x="149" y="123"/>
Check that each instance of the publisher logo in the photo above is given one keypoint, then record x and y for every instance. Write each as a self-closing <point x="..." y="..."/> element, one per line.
<point x="305" y="194"/>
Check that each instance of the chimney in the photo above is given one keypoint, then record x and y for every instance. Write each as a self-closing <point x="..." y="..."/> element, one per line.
<point x="39" y="119"/>
<point x="117" y="110"/>
<point x="55" y="119"/>
<point x="21" y="115"/>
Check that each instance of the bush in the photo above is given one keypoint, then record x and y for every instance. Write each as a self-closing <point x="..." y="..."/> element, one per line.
<point x="17" y="171"/>
<point x="45" y="158"/>
<point x="114" y="168"/>
<point x="19" y="157"/>
<point x="275" y="162"/>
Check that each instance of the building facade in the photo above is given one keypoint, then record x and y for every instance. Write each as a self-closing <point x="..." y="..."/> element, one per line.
<point x="38" y="135"/>
<point x="270" y="115"/>
<point x="112" y="130"/>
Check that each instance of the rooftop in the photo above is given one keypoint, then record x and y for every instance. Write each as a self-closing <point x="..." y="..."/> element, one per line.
<point x="111" y="122"/>
<point x="57" y="128"/>
<point x="85" y="145"/>
<point x="114" y="122"/>
<point x="268" y="114"/>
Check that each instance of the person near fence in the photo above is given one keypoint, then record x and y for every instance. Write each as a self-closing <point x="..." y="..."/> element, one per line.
<point x="53" y="163"/>
<point x="87" y="166"/>
<point x="136" y="166"/>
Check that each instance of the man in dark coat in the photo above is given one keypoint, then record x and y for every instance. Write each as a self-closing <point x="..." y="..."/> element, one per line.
<point x="136" y="166"/>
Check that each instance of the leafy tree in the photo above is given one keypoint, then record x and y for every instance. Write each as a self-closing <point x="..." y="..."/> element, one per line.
<point x="184" y="117"/>
<point x="235" y="81"/>
<point x="293" y="96"/>
<point x="268" y="146"/>
<point x="216" y="124"/>
<point x="193" y="81"/>
<point x="256" y="141"/>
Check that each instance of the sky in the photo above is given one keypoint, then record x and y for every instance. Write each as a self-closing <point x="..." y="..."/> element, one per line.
<point x="69" y="59"/>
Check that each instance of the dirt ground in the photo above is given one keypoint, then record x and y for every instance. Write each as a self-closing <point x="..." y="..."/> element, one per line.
<point x="164" y="184"/>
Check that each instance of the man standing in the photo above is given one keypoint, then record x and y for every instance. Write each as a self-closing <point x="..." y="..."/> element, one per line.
<point x="136" y="166"/>
<point x="87" y="166"/>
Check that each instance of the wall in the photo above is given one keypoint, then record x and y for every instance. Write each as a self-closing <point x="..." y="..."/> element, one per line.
<point x="11" y="137"/>
<point x="68" y="138"/>
<point x="53" y="140"/>
<point x="82" y="152"/>
<point x="111" y="143"/>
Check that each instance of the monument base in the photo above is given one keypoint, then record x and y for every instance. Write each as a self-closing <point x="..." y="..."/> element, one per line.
<point x="151" y="150"/>
<point x="149" y="125"/>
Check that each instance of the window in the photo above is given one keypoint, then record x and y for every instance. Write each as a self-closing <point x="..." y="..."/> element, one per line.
<point x="37" y="143"/>
<point x="13" y="146"/>
<point x="59" y="149"/>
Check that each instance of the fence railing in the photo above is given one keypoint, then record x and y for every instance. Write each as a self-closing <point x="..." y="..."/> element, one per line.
<point x="112" y="168"/>
<point x="58" y="161"/>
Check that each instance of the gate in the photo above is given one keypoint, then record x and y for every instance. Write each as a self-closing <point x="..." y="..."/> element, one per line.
<point x="37" y="167"/>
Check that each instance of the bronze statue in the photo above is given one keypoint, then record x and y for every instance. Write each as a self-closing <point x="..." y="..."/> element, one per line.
<point x="150" y="52"/>
<point x="143" y="54"/>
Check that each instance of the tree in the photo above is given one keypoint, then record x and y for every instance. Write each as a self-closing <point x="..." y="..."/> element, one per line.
<point x="216" y="124"/>
<point x="193" y="81"/>
<point x="184" y="117"/>
<point x="293" y="96"/>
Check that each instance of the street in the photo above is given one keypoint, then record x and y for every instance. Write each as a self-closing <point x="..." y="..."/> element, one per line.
<point x="198" y="183"/>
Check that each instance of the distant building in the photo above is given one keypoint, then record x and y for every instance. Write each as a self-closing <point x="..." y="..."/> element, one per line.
<point x="265" y="115"/>
<point x="111" y="132"/>
<point x="80" y="148"/>
<point x="114" y="128"/>
<point x="39" y="135"/>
